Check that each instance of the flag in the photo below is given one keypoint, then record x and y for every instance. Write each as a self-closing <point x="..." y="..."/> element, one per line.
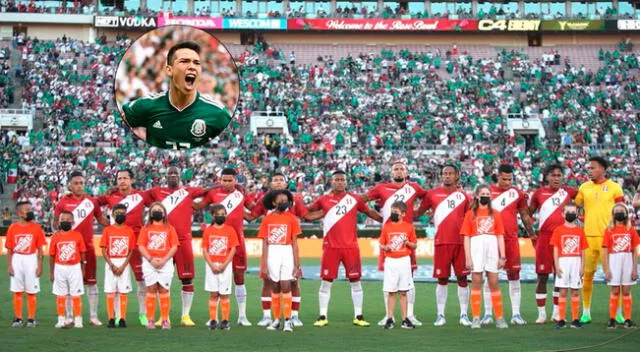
<point x="12" y="176"/>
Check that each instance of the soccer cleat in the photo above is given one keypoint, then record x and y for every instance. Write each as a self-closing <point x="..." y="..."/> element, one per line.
<point x="265" y="321"/>
<point x="186" y="321"/>
<point x="224" y="325"/>
<point x="501" y="323"/>
<point x="561" y="325"/>
<point x="487" y="319"/>
<point x="555" y="317"/>
<point x="159" y="323"/>
<point x="440" y="320"/>
<point x="288" y="326"/>
<point x="111" y="324"/>
<point x="166" y="325"/>
<point x="542" y="318"/>
<point x="585" y="319"/>
<point x="17" y="323"/>
<point x="68" y="322"/>
<point x="407" y="324"/>
<point x="62" y="323"/>
<point x="77" y="323"/>
<point x="464" y="320"/>
<point x="213" y="325"/>
<point x="619" y="318"/>
<point x="518" y="320"/>
<point x="296" y="321"/>
<point x="322" y="321"/>
<point x="243" y="321"/>
<point x="95" y="322"/>
<point x="122" y="323"/>
<point x="275" y="325"/>
<point x="389" y="324"/>
<point x="475" y="324"/>
<point x="612" y="324"/>
<point x="359" y="321"/>
<point x="143" y="320"/>
<point x="414" y="321"/>
<point x="383" y="321"/>
<point x="31" y="323"/>
<point x="628" y="324"/>
<point x="576" y="324"/>
<point x="151" y="324"/>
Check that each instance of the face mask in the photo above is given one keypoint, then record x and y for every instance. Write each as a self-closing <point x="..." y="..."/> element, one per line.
<point x="282" y="206"/>
<point x="65" y="225"/>
<point x="485" y="200"/>
<point x="395" y="217"/>
<point x="620" y="216"/>
<point x="398" y="179"/>
<point x="120" y="218"/>
<point x="29" y="216"/>
<point x="157" y="215"/>
<point x="571" y="217"/>
<point x="219" y="220"/>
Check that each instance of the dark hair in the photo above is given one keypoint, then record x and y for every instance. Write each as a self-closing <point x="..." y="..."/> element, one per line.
<point x="184" y="45"/>
<point x="476" y="202"/>
<point x="125" y="170"/>
<point x="570" y="204"/>
<point x="270" y="197"/>
<point x="402" y="206"/>
<point x="119" y="206"/>
<point x="552" y="168"/>
<point x="505" y="169"/>
<point x="600" y="160"/>
<point x="21" y="203"/>
<point x="450" y="165"/>
<point x="68" y="213"/>
<point x="229" y="171"/>
<point x="277" y="174"/>
<point x="75" y="173"/>
<point x="216" y="207"/>
<point x="338" y="172"/>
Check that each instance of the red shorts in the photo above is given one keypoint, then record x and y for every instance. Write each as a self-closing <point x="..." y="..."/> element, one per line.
<point x="446" y="255"/>
<point x="240" y="258"/>
<point x="184" y="259"/>
<point x="544" y="255"/>
<point x="90" y="267"/>
<point x="331" y="258"/>
<point x="512" y="252"/>
<point x="136" y="264"/>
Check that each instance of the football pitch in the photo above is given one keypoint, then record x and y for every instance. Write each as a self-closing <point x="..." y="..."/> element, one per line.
<point x="339" y="335"/>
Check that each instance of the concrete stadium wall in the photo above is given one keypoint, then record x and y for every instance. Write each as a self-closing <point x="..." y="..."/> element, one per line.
<point x="52" y="32"/>
<point x="225" y="37"/>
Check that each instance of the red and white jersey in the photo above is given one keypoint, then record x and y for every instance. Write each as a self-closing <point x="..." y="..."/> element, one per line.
<point x="84" y="209"/>
<point x="449" y="208"/>
<point x="549" y="204"/>
<point x="508" y="202"/>
<point x="178" y="203"/>
<point x="340" y="218"/>
<point x="390" y="193"/>
<point x="234" y="201"/>
<point x="135" y="202"/>
<point x="297" y="208"/>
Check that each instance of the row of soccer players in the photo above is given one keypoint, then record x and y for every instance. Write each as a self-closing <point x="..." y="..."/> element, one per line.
<point x="448" y="204"/>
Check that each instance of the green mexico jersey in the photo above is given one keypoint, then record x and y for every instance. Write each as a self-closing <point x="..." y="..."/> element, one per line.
<point x="168" y="127"/>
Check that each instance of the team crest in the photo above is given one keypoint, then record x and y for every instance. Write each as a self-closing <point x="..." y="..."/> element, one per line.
<point x="198" y="128"/>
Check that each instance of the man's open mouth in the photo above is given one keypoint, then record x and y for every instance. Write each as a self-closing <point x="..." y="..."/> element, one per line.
<point x="190" y="79"/>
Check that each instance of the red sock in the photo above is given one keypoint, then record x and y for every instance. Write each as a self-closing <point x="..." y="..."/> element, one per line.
<point x="626" y="306"/>
<point x="17" y="304"/>
<point x="613" y="305"/>
<point x="266" y="303"/>
<point x="541" y="299"/>
<point x="295" y="303"/>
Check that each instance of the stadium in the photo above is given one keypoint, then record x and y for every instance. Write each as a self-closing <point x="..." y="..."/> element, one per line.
<point x="329" y="85"/>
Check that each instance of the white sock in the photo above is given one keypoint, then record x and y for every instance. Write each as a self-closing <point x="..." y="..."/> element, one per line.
<point x="411" y="300"/>
<point x="92" y="292"/>
<point x="266" y="313"/>
<point x="515" y="294"/>
<point x="586" y="310"/>
<point x="386" y="304"/>
<point x="187" y="301"/>
<point x="241" y="297"/>
<point x="295" y="299"/>
<point x="69" y="308"/>
<point x="142" y="295"/>
<point x="463" y="299"/>
<point x="556" y="294"/>
<point x="619" y="311"/>
<point x="441" y="297"/>
<point x="357" y="295"/>
<point x="541" y="309"/>
<point x="324" y="295"/>
<point x="486" y="293"/>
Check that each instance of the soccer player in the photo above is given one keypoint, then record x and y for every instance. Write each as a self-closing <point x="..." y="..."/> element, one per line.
<point x="510" y="202"/>
<point x="279" y="231"/>
<point x="66" y="268"/>
<point x="279" y="182"/>
<point x="158" y="242"/>
<point x="177" y="201"/>
<point x="180" y="118"/>
<point x="396" y="240"/>
<point x="399" y="190"/>
<point x="24" y="242"/>
<point x="340" y="210"/>
<point x="219" y="242"/>
<point x="235" y="202"/>
<point x="84" y="209"/>
<point x="597" y="197"/>
<point x="569" y="245"/>
<point x="134" y="202"/>
<point x="117" y="243"/>
<point x="484" y="250"/>
<point x="449" y="204"/>
<point x="548" y="202"/>
<point x="620" y="262"/>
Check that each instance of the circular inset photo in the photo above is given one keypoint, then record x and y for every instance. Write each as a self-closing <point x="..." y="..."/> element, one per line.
<point x="177" y="87"/>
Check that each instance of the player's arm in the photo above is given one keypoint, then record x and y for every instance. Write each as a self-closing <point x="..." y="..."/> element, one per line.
<point x="467" y="252"/>
<point x="501" y="251"/>
<point x="202" y="203"/>
<point x="634" y="268"/>
<point x="52" y="260"/>
<point x="605" y="263"/>
<point x="9" y="261"/>
<point x="636" y="199"/>
<point x="40" y="261"/>
<point x="296" y="256"/>
<point x="374" y="215"/>
<point x="556" y="262"/>
<point x="315" y="215"/>
<point x="526" y="220"/>
<point x="264" y="270"/>
<point x="579" y="200"/>
<point x="83" y="261"/>
<point x="424" y="206"/>
<point x="249" y="216"/>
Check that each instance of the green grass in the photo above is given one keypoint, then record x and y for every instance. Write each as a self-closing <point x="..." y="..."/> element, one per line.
<point x="340" y="334"/>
